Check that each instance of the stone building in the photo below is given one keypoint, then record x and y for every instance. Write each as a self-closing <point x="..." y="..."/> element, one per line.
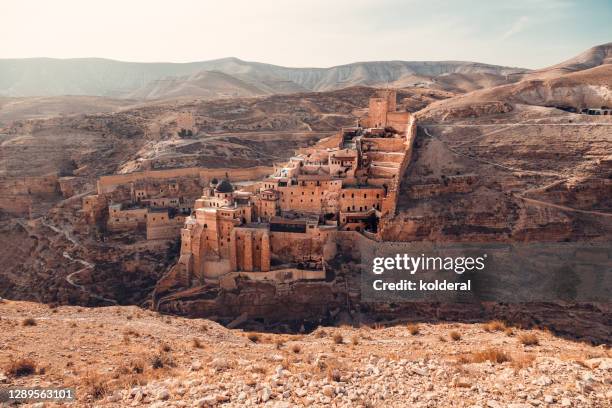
<point x="285" y="229"/>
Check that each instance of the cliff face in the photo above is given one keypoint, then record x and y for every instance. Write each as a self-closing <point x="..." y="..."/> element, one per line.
<point x="531" y="174"/>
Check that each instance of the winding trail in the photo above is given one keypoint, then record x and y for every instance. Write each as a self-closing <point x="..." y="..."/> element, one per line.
<point x="87" y="266"/>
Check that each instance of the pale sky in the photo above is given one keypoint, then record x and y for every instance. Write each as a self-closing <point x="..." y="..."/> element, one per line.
<point x="321" y="33"/>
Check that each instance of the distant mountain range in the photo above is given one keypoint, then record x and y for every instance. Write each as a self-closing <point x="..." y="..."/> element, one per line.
<point x="232" y="77"/>
<point x="228" y="77"/>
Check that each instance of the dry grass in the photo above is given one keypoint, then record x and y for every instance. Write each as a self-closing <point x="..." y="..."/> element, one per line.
<point x="22" y="367"/>
<point x="529" y="339"/>
<point x="455" y="335"/>
<point x="355" y="340"/>
<point x="413" y="328"/>
<point x="280" y="342"/>
<point x="161" y="360"/>
<point x="491" y="354"/>
<point x="509" y="332"/>
<point x="196" y="343"/>
<point x="95" y="385"/>
<point x="338" y="339"/>
<point x="254" y="337"/>
<point x="442" y="339"/>
<point x="28" y="322"/>
<point x="494" y="326"/>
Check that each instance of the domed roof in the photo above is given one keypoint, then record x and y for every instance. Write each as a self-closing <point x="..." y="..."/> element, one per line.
<point x="224" y="187"/>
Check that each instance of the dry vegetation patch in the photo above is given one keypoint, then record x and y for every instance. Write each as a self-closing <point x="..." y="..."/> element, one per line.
<point x="21" y="367"/>
<point x="529" y="339"/>
<point x="494" y="326"/>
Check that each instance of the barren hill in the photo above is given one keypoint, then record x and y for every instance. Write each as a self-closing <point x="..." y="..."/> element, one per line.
<point x="591" y="58"/>
<point x="204" y="85"/>
<point x="126" y="356"/>
<point x="233" y="77"/>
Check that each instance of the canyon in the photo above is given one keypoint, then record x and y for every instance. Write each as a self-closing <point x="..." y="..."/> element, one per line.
<point x="496" y="156"/>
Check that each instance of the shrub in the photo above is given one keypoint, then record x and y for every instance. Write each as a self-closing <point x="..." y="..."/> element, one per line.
<point x="73" y="324"/>
<point x="279" y="343"/>
<point x="509" y="332"/>
<point x="254" y="337"/>
<point x="455" y="336"/>
<point x="491" y="354"/>
<point x="165" y="347"/>
<point x="529" y="339"/>
<point x="28" y="322"/>
<point x="95" y="385"/>
<point x="355" y="340"/>
<point x="21" y="368"/>
<point x="338" y="339"/>
<point x="413" y="329"/>
<point x="296" y="348"/>
<point x="495" y="325"/>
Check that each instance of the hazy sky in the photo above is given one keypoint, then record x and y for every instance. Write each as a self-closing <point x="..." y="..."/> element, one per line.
<point x="526" y="33"/>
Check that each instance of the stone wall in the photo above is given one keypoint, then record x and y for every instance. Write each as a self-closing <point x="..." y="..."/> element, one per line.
<point x="107" y="184"/>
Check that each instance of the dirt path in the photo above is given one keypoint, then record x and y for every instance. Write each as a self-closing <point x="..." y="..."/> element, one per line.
<point x="521" y="196"/>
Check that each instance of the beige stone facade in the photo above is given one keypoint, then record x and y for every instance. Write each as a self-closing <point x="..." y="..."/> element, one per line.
<point x="347" y="182"/>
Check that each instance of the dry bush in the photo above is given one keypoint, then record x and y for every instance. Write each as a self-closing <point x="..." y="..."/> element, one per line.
<point x="296" y="348"/>
<point x="129" y="317"/>
<point x="529" y="339"/>
<point x="332" y="368"/>
<point x="165" y="348"/>
<point x="161" y="360"/>
<point x="442" y="339"/>
<point x="355" y="340"/>
<point x="495" y="325"/>
<point x="413" y="328"/>
<point x="53" y="310"/>
<point x="95" y="385"/>
<point x="338" y="339"/>
<point x="280" y="342"/>
<point x="204" y="328"/>
<point x="22" y="367"/>
<point x="131" y="332"/>
<point x="28" y="322"/>
<point x="73" y="324"/>
<point x="491" y="354"/>
<point x="455" y="335"/>
<point x="196" y="343"/>
<point x="509" y="332"/>
<point x="254" y="337"/>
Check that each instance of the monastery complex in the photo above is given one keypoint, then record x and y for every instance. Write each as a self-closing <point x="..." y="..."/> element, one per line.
<point x="282" y="228"/>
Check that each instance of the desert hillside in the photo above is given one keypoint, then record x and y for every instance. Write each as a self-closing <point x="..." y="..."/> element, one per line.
<point x="125" y="356"/>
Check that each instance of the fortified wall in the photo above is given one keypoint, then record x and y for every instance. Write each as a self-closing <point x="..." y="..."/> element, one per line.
<point x="295" y="219"/>
<point x="21" y="195"/>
